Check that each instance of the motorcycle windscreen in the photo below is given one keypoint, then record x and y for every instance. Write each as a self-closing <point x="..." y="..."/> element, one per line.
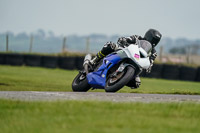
<point x="145" y="45"/>
<point x="98" y="79"/>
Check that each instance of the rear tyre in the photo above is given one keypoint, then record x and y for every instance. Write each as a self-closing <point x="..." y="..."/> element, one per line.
<point x="80" y="83"/>
<point x="113" y="84"/>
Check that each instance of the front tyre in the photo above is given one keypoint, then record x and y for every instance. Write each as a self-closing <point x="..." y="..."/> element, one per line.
<point x="113" y="84"/>
<point x="80" y="83"/>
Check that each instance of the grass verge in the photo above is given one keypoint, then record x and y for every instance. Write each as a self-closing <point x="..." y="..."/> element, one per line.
<point x="98" y="117"/>
<point x="13" y="78"/>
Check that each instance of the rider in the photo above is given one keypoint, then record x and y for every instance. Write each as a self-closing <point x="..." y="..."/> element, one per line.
<point x="153" y="36"/>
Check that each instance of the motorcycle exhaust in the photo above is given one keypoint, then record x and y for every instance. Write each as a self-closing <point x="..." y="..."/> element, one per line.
<point x="86" y="62"/>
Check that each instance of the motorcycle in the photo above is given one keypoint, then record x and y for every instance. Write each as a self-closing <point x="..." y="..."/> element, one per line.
<point x="115" y="70"/>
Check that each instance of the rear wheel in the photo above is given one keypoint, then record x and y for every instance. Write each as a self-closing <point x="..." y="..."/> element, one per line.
<point x="80" y="83"/>
<point x="119" y="80"/>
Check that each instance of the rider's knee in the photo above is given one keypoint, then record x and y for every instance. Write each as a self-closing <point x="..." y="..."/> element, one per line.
<point x="134" y="83"/>
<point x="137" y="82"/>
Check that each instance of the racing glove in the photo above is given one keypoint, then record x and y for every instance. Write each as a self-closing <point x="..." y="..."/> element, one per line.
<point x="122" y="42"/>
<point x="153" y="56"/>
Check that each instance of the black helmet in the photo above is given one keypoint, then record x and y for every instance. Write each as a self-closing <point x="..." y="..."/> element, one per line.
<point x="153" y="36"/>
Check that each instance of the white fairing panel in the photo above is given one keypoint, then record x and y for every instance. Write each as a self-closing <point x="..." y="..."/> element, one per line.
<point x="133" y="52"/>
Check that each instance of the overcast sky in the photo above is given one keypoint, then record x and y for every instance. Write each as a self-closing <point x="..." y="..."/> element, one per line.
<point x="173" y="18"/>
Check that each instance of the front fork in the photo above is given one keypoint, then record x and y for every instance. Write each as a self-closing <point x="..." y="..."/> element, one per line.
<point x="123" y="66"/>
<point x="120" y="69"/>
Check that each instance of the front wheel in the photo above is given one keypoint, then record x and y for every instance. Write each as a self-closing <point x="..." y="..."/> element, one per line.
<point x="115" y="83"/>
<point x="80" y="83"/>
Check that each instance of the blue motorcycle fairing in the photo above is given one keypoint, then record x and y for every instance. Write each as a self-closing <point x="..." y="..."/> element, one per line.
<point x="97" y="79"/>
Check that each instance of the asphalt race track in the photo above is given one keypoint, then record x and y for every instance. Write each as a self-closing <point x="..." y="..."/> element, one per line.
<point x="99" y="96"/>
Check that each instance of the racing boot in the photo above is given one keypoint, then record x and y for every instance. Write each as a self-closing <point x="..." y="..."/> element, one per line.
<point x="108" y="48"/>
<point x="96" y="58"/>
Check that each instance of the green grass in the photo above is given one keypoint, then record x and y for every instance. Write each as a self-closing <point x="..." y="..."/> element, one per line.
<point x="13" y="78"/>
<point x="92" y="116"/>
<point x="166" y="87"/>
<point x="35" y="79"/>
<point x="98" y="117"/>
